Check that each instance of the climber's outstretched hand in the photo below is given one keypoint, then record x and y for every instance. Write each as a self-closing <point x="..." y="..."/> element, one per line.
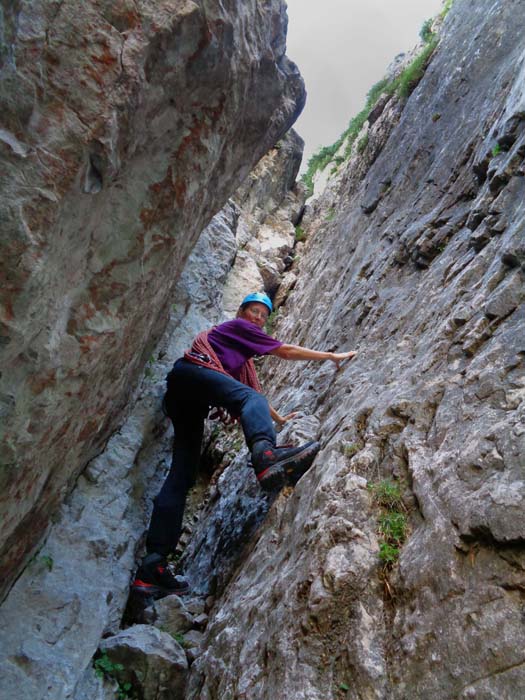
<point x="289" y="416"/>
<point x="281" y="420"/>
<point x="339" y="357"/>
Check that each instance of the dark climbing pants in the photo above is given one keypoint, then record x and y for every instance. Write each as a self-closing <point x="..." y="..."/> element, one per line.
<point x="191" y="391"/>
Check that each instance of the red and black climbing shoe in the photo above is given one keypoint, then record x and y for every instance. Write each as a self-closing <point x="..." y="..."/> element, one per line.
<point x="276" y="467"/>
<point x="155" y="578"/>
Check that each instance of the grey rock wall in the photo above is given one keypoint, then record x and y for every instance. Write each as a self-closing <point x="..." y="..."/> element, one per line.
<point x="415" y="258"/>
<point x="124" y="127"/>
<point x="75" y="589"/>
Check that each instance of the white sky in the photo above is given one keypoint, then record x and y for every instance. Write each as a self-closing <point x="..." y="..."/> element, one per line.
<point x="343" y="47"/>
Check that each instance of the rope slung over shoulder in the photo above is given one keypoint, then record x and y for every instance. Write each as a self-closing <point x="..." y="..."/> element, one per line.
<point x="203" y="354"/>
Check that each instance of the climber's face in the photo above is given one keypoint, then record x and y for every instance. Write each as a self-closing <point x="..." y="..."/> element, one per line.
<point x="255" y="313"/>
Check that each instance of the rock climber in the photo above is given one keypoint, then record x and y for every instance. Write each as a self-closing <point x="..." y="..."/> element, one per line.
<point x="219" y="372"/>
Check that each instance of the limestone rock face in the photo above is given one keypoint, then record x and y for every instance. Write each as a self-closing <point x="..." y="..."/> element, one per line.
<point x="124" y="127"/>
<point x="414" y="258"/>
<point x="270" y="204"/>
<point x="75" y="589"/>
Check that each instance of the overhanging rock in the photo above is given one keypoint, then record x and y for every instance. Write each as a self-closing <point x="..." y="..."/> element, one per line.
<point x="124" y="128"/>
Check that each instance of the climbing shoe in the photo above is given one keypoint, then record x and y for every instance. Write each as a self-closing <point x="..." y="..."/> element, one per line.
<point x="276" y="467"/>
<point x="155" y="578"/>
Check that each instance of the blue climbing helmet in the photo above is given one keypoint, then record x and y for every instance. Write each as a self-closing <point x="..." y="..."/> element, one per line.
<point x="259" y="297"/>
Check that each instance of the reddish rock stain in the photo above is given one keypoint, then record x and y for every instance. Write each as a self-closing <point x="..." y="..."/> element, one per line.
<point x="39" y="382"/>
<point x="89" y="429"/>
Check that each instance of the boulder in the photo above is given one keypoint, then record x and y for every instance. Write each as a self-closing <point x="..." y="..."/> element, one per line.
<point x="151" y="661"/>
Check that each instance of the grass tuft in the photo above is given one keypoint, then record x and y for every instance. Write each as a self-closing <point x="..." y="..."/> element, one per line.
<point x="446" y="8"/>
<point x="392" y="522"/>
<point x="300" y="234"/>
<point x="362" y="143"/>
<point x="413" y="73"/>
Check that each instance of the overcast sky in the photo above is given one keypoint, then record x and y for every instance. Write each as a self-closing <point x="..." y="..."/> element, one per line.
<point x="343" y="47"/>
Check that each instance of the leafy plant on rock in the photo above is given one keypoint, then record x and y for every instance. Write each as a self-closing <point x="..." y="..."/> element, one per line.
<point x="106" y="668"/>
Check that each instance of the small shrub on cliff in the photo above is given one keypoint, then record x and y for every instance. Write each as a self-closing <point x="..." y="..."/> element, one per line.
<point x="426" y="32"/>
<point x="496" y="150"/>
<point x="318" y="162"/>
<point x="388" y="554"/>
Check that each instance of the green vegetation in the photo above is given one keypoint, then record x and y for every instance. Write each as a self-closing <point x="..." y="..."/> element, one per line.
<point x="350" y="450"/>
<point x="105" y="668"/>
<point x="413" y="73"/>
<point x="446" y="8"/>
<point x="426" y="32"/>
<point x="47" y="561"/>
<point x="362" y="143"/>
<point x="300" y="235"/>
<point x="496" y="150"/>
<point x="344" y="686"/>
<point x="179" y="638"/>
<point x="148" y="372"/>
<point x="331" y="214"/>
<point x="271" y="321"/>
<point x="386" y="494"/>
<point x="403" y="85"/>
<point x="392" y="525"/>
<point x="319" y="161"/>
<point x="392" y="521"/>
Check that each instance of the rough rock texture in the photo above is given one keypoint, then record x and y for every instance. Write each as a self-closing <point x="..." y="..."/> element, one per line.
<point x="75" y="589"/>
<point x="124" y="127"/>
<point x="153" y="662"/>
<point x="415" y="257"/>
<point x="270" y="204"/>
